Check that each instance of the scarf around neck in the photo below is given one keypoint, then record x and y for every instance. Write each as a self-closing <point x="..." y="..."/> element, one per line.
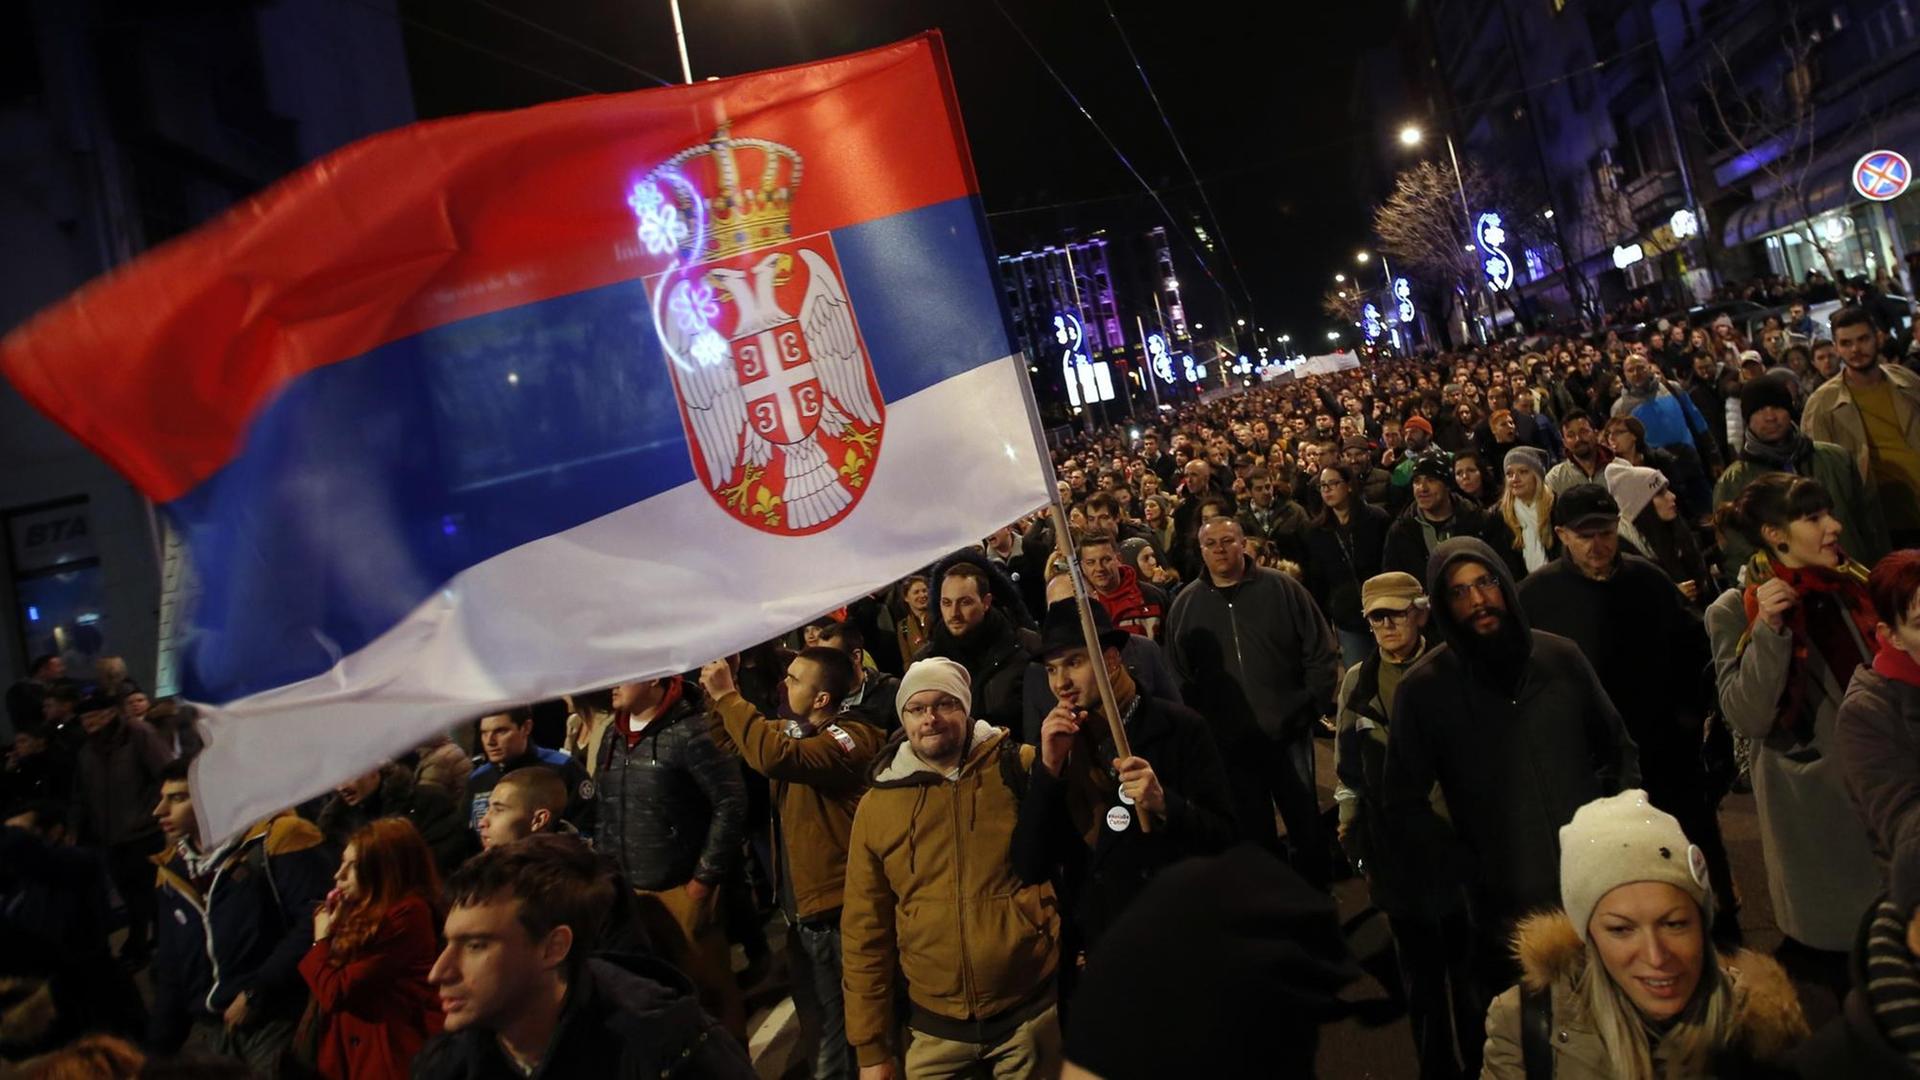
<point x="1896" y="665"/>
<point x="1846" y="587"/>
<point x="1784" y="455"/>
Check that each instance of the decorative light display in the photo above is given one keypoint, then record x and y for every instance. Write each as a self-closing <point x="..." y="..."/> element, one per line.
<point x="1684" y="224"/>
<point x="1492" y="237"/>
<point x="1370" y="323"/>
<point x="1628" y="254"/>
<point x="1403" y="294"/>
<point x="1086" y="381"/>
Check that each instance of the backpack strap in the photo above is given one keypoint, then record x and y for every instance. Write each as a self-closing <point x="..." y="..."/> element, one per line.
<point x="1536" y="1032"/>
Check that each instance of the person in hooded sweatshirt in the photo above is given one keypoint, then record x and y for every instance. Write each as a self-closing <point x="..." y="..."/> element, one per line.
<point x="1514" y="726"/>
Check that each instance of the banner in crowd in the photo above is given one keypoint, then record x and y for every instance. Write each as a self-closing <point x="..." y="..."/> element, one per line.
<point x="488" y="409"/>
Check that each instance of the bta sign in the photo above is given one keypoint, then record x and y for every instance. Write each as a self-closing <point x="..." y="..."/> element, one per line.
<point x="44" y="539"/>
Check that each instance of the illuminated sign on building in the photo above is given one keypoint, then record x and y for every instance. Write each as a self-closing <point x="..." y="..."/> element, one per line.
<point x="1684" y="224"/>
<point x="1370" y="322"/>
<point x="1627" y="255"/>
<point x="1492" y="237"/>
<point x="1403" y="293"/>
<point x="1086" y="381"/>
<point x="1158" y="357"/>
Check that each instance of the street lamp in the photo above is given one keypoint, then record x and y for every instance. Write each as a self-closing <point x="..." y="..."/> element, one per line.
<point x="1340" y="278"/>
<point x="1410" y="136"/>
<point x="1333" y="335"/>
<point x="1240" y="322"/>
<point x="1361" y="258"/>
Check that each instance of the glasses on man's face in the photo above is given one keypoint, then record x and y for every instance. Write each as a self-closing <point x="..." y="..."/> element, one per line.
<point x="1484" y="586"/>
<point x="945" y="707"/>
<point x="1389" y="618"/>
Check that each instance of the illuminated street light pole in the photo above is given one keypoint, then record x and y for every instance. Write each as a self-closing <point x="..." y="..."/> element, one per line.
<point x="680" y="40"/>
<point x="1410" y="135"/>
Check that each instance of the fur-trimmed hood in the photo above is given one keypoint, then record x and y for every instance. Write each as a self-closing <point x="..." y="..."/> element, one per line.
<point x="1766" y="1007"/>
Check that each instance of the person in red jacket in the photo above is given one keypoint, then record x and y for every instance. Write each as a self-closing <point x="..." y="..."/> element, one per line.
<point x="374" y="941"/>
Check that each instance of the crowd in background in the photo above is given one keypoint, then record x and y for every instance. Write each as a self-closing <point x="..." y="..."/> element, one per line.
<point x="1549" y="599"/>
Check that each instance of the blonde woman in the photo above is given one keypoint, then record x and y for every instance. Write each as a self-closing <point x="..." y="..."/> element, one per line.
<point x="1521" y="528"/>
<point x="1624" y="982"/>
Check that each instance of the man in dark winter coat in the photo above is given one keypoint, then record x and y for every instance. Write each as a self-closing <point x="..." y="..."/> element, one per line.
<point x="390" y="791"/>
<point x="673" y="815"/>
<point x="116" y="779"/>
<point x="871" y="699"/>
<point x="1649" y="650"/>
<point x="1516" y="729"/>
<point x="1435" y="515"/>
<point x="1255" y="656"/>
<point x="527" y="993"/>
<point x="983" y="628"/>
<point x="1774" y="443"/>
<point x="506" y="744"/>
<point x="1077" y="818"/>
<point x="1271" y="513"/>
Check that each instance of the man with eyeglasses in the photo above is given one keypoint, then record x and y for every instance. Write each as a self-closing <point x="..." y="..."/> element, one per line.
<point x="1252" y="649"/>
<point x="1648" y="648"/>
<point x="931" y="892"/>
<point x="1435" y="950"/>
<point x="1514" y="726"/>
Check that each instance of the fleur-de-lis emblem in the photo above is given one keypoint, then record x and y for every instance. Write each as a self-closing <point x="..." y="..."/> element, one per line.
<point x="767" y="505"/>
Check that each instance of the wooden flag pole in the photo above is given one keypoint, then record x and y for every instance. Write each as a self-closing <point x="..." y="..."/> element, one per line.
<point x="1063" y="541"/>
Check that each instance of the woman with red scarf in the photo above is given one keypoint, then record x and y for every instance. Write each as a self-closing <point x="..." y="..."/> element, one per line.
<point x="1880" y="718"/>
<point x="1785" y="643"/>
<point x="374" y="941"/>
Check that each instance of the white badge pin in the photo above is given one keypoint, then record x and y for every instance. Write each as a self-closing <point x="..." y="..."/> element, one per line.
<point x="1119" y="818"/>
<point x="1126" y="798"/>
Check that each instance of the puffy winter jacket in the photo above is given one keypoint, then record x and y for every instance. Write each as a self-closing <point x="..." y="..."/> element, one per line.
<point x="672" y="806"/>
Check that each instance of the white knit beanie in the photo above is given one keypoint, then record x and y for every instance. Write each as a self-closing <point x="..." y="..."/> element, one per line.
<point x="935" y="673"/>
<point x="1622" y="840"/>
<point x="1633" y="487"/>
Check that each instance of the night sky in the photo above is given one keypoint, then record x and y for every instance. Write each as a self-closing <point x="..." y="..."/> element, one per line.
<point x="1259" y="100"/>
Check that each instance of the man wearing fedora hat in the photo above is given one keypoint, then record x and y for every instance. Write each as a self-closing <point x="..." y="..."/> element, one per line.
<point x="1080" y="818"/>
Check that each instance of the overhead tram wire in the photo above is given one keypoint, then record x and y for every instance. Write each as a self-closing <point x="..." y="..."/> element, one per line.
<point x="447" y="35"/>
<point x="1180" y="148"/>
<point x="1111" y="145"/>
<point x="575" y="42"/>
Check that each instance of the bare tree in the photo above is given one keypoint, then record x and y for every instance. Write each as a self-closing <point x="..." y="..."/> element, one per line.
<point x="1783" y="114"/>
<point x="1420" y="224"/>
<point x="1342" y="304"/>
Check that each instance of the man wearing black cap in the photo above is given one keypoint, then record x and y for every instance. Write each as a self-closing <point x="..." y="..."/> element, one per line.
<point x="1516" y="729"/>
<point x="1079" y="821"/>
<point x="1434" y="516"/>
<point x="1774" y="443"/>
<point x="115" y="782"/>
<point x="1648" y="648"/>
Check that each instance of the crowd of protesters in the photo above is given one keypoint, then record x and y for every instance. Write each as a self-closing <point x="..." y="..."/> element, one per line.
<point x="1550" y="600"/>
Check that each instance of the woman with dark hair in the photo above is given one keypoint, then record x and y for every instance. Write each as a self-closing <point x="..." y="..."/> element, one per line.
<point x="1345" y="541"/>
<point x="1470" y="476"/>
<point x="374" y="941"/>
<point x="1785" y="643"/>
<point x="1650" y="520"/>
<point x="913" y="620"/>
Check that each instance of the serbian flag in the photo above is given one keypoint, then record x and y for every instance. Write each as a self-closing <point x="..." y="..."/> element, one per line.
<point x="485" y="410"/>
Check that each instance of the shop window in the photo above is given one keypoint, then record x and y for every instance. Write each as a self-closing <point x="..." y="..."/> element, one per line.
<point x="58" y="587"/>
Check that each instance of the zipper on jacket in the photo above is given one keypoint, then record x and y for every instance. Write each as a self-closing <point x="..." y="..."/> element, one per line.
<point x="1233" y="620"/>
<point x="959" y="896"/>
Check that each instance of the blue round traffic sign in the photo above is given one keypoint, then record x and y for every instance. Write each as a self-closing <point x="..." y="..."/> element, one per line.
<point x="1881" y="175"/>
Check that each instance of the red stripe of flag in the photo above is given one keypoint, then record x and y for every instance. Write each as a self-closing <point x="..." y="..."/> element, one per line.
<point x="160" y="366"/>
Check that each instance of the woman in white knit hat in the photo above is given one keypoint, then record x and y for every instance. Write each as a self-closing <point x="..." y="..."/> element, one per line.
<point x="1624" y="982"/>
<point x="1650" y="520"/>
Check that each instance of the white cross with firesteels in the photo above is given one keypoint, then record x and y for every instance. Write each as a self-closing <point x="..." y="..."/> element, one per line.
<point x="781" y="384"/>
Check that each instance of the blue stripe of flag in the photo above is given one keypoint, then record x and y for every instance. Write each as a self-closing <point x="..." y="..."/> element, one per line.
<point x="367" y="484"/>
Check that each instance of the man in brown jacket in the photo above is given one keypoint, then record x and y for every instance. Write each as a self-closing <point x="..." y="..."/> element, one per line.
<point x="817" y="760"/>
<point x="931" y="890"/>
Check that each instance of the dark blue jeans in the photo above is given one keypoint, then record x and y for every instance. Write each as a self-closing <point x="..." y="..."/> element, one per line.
<point x="813" y="953"/>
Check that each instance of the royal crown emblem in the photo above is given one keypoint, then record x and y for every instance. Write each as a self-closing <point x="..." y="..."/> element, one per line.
<point x="775" y="386"/>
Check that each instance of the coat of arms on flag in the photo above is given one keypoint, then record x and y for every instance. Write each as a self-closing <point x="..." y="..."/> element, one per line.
<point x="775" y="386"/>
